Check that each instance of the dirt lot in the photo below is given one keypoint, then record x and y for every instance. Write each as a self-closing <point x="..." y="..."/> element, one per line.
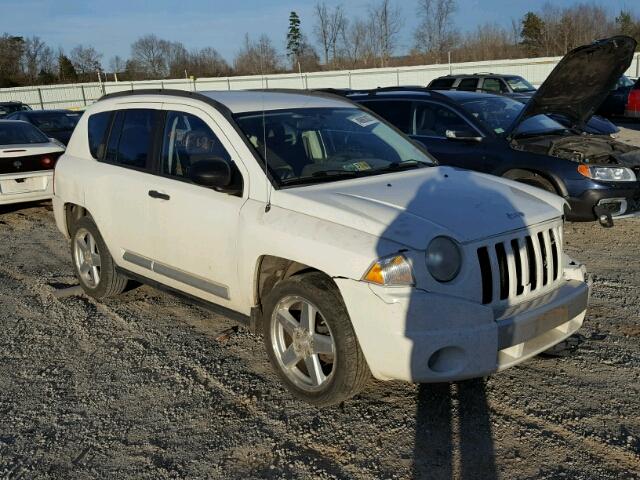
<point x="147" y="386"/>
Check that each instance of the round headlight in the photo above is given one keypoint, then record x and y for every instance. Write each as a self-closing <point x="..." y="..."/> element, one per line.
<point x="443" y="259"/>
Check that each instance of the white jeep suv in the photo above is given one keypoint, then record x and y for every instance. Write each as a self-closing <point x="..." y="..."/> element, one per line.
<point x="324" y="228"/>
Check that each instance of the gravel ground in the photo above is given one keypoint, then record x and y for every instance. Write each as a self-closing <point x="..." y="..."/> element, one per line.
<point x="147" y="386"/>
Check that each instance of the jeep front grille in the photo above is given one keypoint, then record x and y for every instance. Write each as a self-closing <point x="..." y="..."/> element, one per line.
<point x="513" y="268"/>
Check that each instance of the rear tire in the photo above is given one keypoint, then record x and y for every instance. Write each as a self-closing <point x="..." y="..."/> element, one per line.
<point x="93" y="264"/>
<point x="310" y="340"/>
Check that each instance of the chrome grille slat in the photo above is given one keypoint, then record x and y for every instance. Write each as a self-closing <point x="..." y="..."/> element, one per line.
<point x="539" y="262"/>
<point x="495" y="273"/>
<point x="548" y="256"/>
<point x="511" y="263"/>
<point x="522" y="265"/>
<point x="524" y="262"/>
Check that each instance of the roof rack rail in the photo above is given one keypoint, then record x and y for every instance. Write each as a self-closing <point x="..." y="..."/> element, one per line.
<point x="374" y="91"/>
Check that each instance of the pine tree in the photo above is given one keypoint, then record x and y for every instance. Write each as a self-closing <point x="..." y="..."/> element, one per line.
<point x="532" y="33"/>
<point x="294" y="38"/>
<point x="66" y="70"/>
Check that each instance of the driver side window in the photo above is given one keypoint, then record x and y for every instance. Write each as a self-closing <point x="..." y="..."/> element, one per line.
<point x="433" y="120"/>
<point x="187" y="140"/>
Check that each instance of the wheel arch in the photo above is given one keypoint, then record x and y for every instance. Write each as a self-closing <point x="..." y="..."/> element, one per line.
<point x="72" y="213"/>
<point x="519" y="174"/>
<point x="271" y="270"/>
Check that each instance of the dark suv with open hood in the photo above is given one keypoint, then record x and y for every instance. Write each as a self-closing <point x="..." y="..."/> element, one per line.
<point x="597" y="175"/>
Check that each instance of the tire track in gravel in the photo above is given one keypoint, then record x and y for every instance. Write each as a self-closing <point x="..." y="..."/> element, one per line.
<point x="330" y="457"/>
<point x="134" y="318"/>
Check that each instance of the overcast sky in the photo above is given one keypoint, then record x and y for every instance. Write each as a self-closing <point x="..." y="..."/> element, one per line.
<point x="112" y="25"/>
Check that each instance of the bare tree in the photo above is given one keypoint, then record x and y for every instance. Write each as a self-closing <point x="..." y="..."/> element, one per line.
<point x="117" y="64"/>
<point x="435" y="33"/>
<point x="149" y="55"/>
<point x="330" y="25"/>
<point x="385" y="24"/>
<point x="357" y="48"/>
<point x="207" y="62"/>
<point x="86" y="60"/>
<point x="257" y="57"/>
<point x="37" y="57"/>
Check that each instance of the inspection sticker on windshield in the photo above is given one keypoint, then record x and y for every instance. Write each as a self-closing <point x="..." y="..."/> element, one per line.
<point x="498" y="130"/>
<point x="363" y="119"/>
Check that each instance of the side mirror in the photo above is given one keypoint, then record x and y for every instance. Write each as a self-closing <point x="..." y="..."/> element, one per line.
<point x="216" y="173"/>
<point x="466" y="135"/>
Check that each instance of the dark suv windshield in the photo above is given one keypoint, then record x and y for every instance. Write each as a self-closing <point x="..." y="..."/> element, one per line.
<point x="519" y="84"/>
<point x="55" y="120"/>
<point x="320" y="144"/>
<point x="18" y="133"/>
<point x="498" y="114"/>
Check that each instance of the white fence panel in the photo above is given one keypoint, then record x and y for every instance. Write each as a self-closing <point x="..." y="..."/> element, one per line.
<point x="79" y="95"/>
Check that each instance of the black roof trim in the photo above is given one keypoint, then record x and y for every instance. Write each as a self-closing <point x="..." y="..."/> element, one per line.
<point x="374" y="91"/>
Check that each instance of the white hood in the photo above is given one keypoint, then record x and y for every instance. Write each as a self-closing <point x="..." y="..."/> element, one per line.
<point x="412" y="207"/>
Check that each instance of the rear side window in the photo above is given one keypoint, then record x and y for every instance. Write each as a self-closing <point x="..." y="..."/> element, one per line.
<point x="468" y="84"/>
<point x="98" y="126"/>
<point x="131" y="137"/>
<point x="397" y="113"/>
<point x="442" y="83"/>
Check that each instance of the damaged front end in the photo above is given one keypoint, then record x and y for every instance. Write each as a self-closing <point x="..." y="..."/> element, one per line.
<point x="601" y="159"/>
<point x="591" y="150"/>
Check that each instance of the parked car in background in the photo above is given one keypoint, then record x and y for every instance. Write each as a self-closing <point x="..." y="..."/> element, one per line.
<point x="598" y="176"/>
<point x="9" y="107"/>
<point x="349" y="249"/>
<point x="516" y="87"/>
<point x="623" y="99"/>
<point x="511" y="85"/>
<point x="58" y="124"/>
<point x="27" y="160"/>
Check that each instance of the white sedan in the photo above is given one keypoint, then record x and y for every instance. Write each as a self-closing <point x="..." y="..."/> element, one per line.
<point x="27" y="160"/>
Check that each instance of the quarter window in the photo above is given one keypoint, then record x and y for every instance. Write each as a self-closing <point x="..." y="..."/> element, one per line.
<point x="188" y="140"/>
<point x="130" y="141"/>
<point x="98" y="126"/>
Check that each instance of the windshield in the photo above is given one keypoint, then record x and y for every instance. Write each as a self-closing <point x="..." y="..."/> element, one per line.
<point x="14" y="107"/>
<point x="519" y="84"/>
<point x="498" y="114"/>
<point x="307" y="145"/>
<point x="55" y="121"/>
<point x="17" y="133"/>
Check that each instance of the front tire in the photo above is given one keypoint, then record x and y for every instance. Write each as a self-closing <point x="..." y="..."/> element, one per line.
<point x="94" y="266"/>
<point x="310" y="340"/>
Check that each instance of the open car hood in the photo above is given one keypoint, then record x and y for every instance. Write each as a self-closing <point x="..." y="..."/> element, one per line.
<point x="581" y="81"/>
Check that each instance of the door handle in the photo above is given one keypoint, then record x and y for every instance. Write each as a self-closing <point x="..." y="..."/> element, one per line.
<point x="159" y="195"/>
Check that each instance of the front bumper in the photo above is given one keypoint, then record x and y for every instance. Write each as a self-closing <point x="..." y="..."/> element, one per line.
<point x="618" y="200"/>
<point x="26" y="187"/>
<point x="416" y="336"/>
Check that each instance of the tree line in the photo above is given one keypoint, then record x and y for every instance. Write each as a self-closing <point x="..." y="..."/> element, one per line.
<point x="334" y="39"/>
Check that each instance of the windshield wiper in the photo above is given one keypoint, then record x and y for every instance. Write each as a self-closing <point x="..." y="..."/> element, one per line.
<point x="321" y="176"/>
